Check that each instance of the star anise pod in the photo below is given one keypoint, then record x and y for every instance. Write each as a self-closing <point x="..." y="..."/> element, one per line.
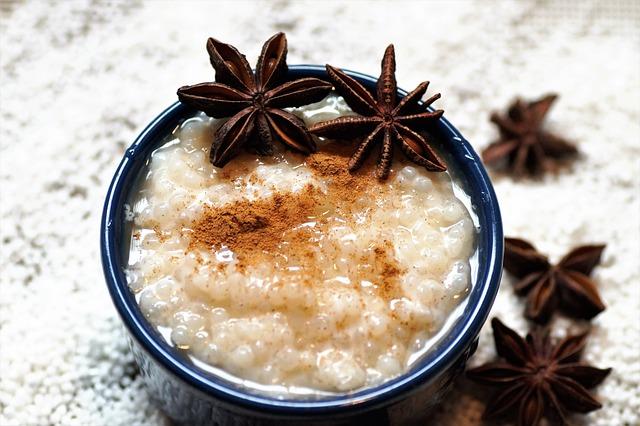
<point x="524" y="145"/>
<point x="537" y="378"/>
<point x="566" y="285"/>
<point x="254" y="101"/>
<point x="383" y="119"/>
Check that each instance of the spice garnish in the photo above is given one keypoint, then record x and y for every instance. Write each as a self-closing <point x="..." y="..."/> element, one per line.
<point x="523" y="145"/>
<point x="566" y="285"/>
<point x="271" y="230"/>
<point x="254" y="101"/>
<point x="383" y="119"/>
<point x="537" y="378"/>
<point x="248" y="227"/>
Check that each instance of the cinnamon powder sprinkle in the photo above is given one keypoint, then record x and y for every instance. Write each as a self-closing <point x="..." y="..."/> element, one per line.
<point x="388" y="270"/>
<point x="261" y="230"/>
<point x="248" y="226"/>
<point x="331" y="163"/>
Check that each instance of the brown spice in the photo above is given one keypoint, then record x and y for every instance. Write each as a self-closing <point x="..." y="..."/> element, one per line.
<point x="261" y="230"/>
<point x="249" y="226"/>
<point x="162" y="236"/>
<point x="327" y="165"/>
<point x="385" y="121"/>
<point x="254" y="101"/>
<point x="387" y="271"/>
<point x="331" y="163"/>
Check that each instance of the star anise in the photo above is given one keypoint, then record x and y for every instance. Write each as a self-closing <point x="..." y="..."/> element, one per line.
<point x="254" y="101"/>
<point x="566" y="285"/>
<point x="383" y="119"/>
<point x="537" y="378"/>
<point x="523" y="145"/>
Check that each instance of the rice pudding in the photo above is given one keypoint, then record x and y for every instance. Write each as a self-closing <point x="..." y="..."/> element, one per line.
<point x="289" y="272"/>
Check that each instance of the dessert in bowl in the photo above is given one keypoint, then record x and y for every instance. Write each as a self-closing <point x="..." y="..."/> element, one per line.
<point x="299" y="280"/>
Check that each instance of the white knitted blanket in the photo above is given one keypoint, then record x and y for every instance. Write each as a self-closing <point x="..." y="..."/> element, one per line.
<point x="80" y="79"/>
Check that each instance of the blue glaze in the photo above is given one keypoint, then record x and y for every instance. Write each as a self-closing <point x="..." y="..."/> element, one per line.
<point x="192" y="396"/>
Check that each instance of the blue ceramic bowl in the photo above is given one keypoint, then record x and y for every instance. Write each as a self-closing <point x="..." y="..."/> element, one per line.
<point x="191" y="396"/>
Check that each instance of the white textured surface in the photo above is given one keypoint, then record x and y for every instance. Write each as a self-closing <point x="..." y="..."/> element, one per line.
<point x="80" y="79"/>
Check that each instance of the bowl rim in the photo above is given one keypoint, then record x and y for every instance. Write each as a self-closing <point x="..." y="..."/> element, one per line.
<point x="387" y="392"/>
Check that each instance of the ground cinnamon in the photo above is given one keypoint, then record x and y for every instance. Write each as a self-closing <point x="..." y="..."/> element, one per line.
<point x="247" y="226"/>
<point x="259" y="230"/>
<point x="332" y="164"/>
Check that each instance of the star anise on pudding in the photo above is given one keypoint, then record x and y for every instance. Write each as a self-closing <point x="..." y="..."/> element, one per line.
<point x="537" y="378"/>
<point x="523" y="145"/>
<point x="383" y="119"/>
<point x="565" y="285"/>
<point x="254" y="101"/>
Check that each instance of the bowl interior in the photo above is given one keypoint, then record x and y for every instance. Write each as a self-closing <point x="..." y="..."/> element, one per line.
<point x="468" y="171"/>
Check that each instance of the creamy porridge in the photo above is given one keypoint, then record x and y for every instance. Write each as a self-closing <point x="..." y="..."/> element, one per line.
<point x="288" y="271"/>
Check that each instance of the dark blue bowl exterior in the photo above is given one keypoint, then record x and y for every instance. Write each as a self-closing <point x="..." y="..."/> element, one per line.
<point x="191" y="396"/>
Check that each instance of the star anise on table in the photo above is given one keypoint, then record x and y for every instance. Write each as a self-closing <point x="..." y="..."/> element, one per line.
<point x="566" y="285"/>
<point x="383" y="119"/>
<point x="523" y="145"/>
<point x="254" y="101"/>
<point x="537" y="378"/>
